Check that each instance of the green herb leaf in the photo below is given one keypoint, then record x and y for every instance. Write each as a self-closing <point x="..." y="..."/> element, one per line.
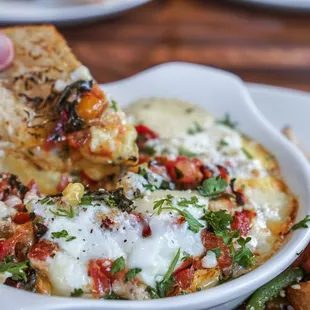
<point x="132" y="273"/>
<point x="243" y="256"/>
<point x="186" y="256"/>
<point x="164" y="285"/>
<point x="193" y="224"/>
<point x="77" y="292"/>
<point x="60" y="234"/>
<point x="196" y="128"/>
<point x="64" y="212"/>
<point x="114" y="105"/>
<point x="153" y="292"/>
<point x="184" y="152"/>
<point x="118" y="265"/>
<point x="16" y="269"/>
<point x="220" y="222"/>
<point x="184" y="202"/>
<point x="150" y="187"/>
<point x="213" y="187"/>
<point x="222" y="143"/>
<point x="302" y="223"/>
<point x="247" y="153"/>
<point x="227" y="122"/>
<point x="113" y="296"/>
<point x="63" y="234"/>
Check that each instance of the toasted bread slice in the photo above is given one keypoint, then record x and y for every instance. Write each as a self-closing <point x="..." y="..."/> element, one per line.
<point x="54" y="114"/>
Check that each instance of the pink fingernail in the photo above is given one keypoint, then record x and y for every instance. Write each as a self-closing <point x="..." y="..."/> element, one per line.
<point x="6" y="51"/>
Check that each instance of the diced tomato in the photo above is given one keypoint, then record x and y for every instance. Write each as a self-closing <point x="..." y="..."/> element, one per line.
<point x="211" y="241"/>
<point x="242" y="221"/>
<point x="63" y="182"/>
<point x="146" y="229"/>
<point x="42" y="250"/>
<point x="206" y="172"/>
<point x="23" y="236"/>
<point x="184" y="278"/>
<point x="78" y="139"/>
<point x="185" y="172"/>
<point x="33" y="187"/>
<point x="223" y="173"/>
<point x="146" y="133"/>
<point x="185" y="265"/>
<point x="99" y="271"/>
<point x="21" y="217"/>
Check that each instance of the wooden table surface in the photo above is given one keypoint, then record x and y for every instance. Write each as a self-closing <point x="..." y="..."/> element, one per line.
<point x="260" y="46"/>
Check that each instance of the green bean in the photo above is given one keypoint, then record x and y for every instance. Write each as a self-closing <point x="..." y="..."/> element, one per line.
<point x="273" y="288"/>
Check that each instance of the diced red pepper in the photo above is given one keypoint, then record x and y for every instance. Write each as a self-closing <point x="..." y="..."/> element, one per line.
<point x="211" y="241"/>
<point x="242" y="221"/>
<point x="21" y="218"/>
<point x="185" y="172"/>
<point x="184" y="278"/>
<point x="99" y="271"/>
<point x="146" y="229"/>
<point x="42" y="250"/>
<point x="24" y="236"/>
<point x="223" y="173"/>
<point x="146" y="132"/>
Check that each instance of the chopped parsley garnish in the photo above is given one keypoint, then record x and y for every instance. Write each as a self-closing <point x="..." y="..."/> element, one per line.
<point x="153" y="292"/>
<point x="193" y="224"/>
<point x="221" y="144"/>
<point x="132" y="273"/>
<point x="148" y="150"/>
<point x="62" y="234"/>
<point x="77" y="292"/>
<point x="213" y="187"/>
<point x="114" y="105"/>
<point x="16" y="269"/>
<point x="186" y="256"/>
<point x="30" y="152"/>
<point x="185" y="152"/>
<point x="302" y="223"/>
<point x="150" y="187"/>
<point x="64" y="212"/>
<point x="220" y="222"/>
<point x="142" y="171"/>
<point x="243" y="256"/>
<point x="227" y="122"/>
<point x="196" y="128"/>
<point x="164" y="285"/>
<point x="184" y="202"/>
<point x="113" y="296"/>
<point x="247" y="153"/>
<point x="114" y="199"/>
<point x="118" y="265"/>
<point x="47" y="201"/>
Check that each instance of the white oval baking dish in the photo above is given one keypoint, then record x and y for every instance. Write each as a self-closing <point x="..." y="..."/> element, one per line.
<point x="219" y="92"/>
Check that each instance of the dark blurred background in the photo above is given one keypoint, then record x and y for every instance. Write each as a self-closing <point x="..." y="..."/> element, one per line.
<point x="259" y="44"/>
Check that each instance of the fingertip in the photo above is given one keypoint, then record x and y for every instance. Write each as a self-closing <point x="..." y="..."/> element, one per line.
<point x="6" y="51"/>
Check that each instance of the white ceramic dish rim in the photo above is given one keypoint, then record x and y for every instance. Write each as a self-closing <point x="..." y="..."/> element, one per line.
<point x="291" y="4"/>
<point x="10" y="13"/>
<point x="217" y="295"/>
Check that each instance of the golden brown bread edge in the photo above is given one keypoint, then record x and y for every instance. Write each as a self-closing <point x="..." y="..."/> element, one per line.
<point x="42" y="56"/>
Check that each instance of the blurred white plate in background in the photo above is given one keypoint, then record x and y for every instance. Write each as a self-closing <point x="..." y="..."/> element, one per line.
<point x="62" y="11"/>
<point x="284" y="106"/>
<point x="286" y="4"/>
